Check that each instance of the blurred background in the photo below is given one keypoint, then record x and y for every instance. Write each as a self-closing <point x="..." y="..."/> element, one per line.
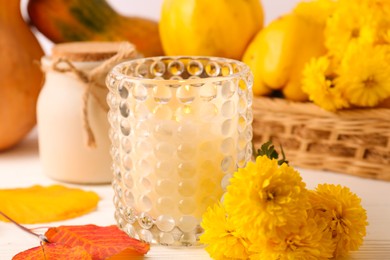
<point x="151" y="9"/>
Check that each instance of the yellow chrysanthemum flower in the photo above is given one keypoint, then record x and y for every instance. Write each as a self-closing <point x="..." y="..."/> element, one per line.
<point x="383" y="20"/>
<point x="220" y="236"/>
<point x="318" y="83"/>
<point x="386" y="36"/>
<point x="364" y="75"/>
<point x="316" y="10"/>
<point x="347" y="219"/>
<point x="264" y="195"/>
<point x="351" y="22"/>
<point x="381" y="14"/>
<point x="309" y="242"/>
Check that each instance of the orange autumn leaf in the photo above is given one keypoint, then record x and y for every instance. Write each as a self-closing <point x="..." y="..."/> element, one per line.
<point x="53" y="251"/>
<point x="100" y="242"/>
<point x="126" y="255"/>
<point x="39" y="204"/>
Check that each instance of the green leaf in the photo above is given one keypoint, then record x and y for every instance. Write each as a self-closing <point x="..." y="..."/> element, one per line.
<point x="268" y="150"/>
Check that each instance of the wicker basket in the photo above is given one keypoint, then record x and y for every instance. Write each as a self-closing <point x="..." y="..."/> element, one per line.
<point x="355" y="142"/>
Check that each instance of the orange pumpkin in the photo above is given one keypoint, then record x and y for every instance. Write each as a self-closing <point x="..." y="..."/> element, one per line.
<point x="20" y="76"/>
<point x="93" y="20"/>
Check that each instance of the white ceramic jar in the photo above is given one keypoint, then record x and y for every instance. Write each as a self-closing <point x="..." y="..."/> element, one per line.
<point x="68" y="117"/>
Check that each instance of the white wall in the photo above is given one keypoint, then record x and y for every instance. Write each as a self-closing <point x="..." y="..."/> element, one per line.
<point x="151" y="9"/>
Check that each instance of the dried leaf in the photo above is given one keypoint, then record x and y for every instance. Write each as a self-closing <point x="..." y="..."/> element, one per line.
<point x="54" y="251"/>
<point x="100" y="242"/>
<point x="126" y="255"/>
<point x="39" y="204"/>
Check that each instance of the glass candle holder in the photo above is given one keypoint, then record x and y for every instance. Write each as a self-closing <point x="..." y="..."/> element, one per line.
<point x="180" y="128"/>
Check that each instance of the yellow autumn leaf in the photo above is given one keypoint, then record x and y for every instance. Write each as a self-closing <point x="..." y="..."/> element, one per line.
<point x="38" y="204"/>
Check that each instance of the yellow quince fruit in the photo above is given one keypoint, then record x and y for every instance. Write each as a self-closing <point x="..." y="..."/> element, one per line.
<point x="221" y="28"/>
<point x="279" y="52"/>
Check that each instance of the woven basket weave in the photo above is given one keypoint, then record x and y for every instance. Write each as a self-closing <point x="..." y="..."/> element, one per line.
<point x="355" y="142"/>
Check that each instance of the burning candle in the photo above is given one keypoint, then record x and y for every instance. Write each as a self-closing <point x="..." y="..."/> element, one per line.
<point x="180" y="127"/>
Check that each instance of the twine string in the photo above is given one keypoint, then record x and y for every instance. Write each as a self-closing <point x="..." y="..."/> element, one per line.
<point x="92" y="80"/>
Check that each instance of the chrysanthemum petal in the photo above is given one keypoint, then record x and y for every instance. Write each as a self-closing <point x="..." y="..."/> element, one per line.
<point x="220" y="237"/>
<point x="264" y="195"/>
<point x="346" y="218"/>
<point x="319" y="83"/>
<point x="364" y="75"/>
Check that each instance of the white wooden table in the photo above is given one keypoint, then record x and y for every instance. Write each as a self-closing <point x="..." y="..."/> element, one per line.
<point x="20" y="167"/>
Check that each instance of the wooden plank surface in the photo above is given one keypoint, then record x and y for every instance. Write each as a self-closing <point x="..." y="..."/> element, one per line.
<point x="21" y="168"/>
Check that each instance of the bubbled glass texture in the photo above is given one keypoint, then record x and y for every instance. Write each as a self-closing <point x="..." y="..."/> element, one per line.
<point x="180" y="127"/>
